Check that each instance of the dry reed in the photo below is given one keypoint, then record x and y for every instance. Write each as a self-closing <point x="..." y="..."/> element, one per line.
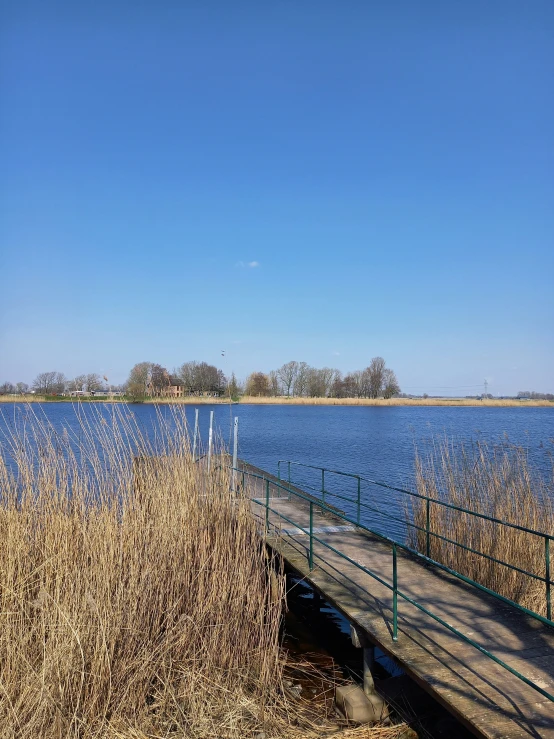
<point x="499" y="483"/>
<point x="136" y="596"/>
<point x="282" y="400"/>
<point x="466" y="402"/>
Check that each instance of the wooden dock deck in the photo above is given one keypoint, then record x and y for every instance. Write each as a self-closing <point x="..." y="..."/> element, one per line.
<point x="483" y="695"/>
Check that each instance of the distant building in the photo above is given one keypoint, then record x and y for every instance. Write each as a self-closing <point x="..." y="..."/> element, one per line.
<point x="175" y="388"/>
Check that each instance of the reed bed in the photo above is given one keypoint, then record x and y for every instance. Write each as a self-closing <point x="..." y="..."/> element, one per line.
<point x="499" y="483"/>
<point x="136" y="596"/>
<point x="282" y="400"/>
<point x="397" y="402"/>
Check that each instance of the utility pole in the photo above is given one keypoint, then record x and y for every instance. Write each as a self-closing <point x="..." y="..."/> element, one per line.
<point x="486" y="388"/>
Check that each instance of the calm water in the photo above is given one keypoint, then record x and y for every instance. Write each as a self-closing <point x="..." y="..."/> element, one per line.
<point x="377" y="443"/>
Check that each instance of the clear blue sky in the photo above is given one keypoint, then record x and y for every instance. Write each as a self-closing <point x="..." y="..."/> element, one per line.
<point x="387" y="166"/>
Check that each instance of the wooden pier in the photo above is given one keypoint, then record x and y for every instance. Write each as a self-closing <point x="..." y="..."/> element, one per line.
<point x="483" y="695"/>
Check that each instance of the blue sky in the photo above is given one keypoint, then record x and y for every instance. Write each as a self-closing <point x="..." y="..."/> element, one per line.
<point x="388" y="167"/>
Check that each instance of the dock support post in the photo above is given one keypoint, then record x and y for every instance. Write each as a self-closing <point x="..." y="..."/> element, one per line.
<point x="289" y="479"/>
<point x="195" y="437"/>
<point x="369" y="666"/>
<point x="317" y="600"/>
<point x="210" y="439"/>
<point x="235" y="452"/>
<point x="359" y="500"/>
<point x="360" y="641"/>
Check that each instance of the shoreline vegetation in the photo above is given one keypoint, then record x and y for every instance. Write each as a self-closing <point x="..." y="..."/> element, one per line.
<point x="283" y="400"/>
<point x="138" y="597"/>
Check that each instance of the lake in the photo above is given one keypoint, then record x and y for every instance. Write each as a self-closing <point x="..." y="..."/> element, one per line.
<point x="375" y="442"/>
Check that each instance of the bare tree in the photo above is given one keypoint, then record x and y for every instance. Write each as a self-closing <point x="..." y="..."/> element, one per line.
<point x="315" y="384"/>
<point x="390" y="384"/>
<point x="287" y="374"/>
<point x="201" y="377"/>
<point x="376" y="372"/>
<point x="78" y="383"/>
<point x="274" y="383"/>
<point x="257" y="384"/>
<point x="159" y="380"/>
<point x="186" y="372"/>
<point x="7" y="388"/>
<point x="22" y="388"/>
<point x="49" y="383"/>
<point x="139" y="378"/>
<point x="320" y="381"/>
<point x="94" y="382"/>
<point x="300" y="384"/>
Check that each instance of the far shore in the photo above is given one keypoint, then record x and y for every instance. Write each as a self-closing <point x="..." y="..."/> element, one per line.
<point x="251" y="400"/>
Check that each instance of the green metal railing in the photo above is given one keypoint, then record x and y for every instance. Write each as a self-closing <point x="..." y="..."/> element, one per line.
<point x="426" y="530"/>
<point x="395" y="546"/>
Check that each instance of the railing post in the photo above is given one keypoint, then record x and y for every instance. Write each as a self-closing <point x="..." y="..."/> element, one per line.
<point x="267" y="506"/>
<point x="289" y="480"/>
<point x="547" y="575"/>
<point x="235" y="451"/>
<point x="323" y="486"/>
<point x="359" y="495"/>
<point x="210" y="440"/>
<point x="279" y="470"/>
<point x="394" y="595"/>
<point x="311" y="552"/>
<point x="427" y="528"/>
<point x="195" y="438"/>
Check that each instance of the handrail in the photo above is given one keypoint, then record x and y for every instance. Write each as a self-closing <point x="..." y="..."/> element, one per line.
<point x="423" y="497"/>
<point x="394" y="587"/>
<point x="368" y="507"/>
<point x="547" y="538"/>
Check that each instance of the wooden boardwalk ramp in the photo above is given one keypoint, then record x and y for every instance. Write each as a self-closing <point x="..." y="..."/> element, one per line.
<point x="483" y="695"/>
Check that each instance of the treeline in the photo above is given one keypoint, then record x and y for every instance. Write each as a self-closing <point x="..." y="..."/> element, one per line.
<point x="196" y="378"/>
<point x="532" y="395"/>
<point x="297" y="379"/>
<point x="300" y="380"/>
<point x="56" y="383"/>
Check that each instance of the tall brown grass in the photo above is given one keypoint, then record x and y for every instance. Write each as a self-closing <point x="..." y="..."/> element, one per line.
<point x="115" y="591"/>
<point x="497" y="482"/>
<point x="281" y="400"/>
<point x="137" y="598"/>
<point x="395" y="402"/>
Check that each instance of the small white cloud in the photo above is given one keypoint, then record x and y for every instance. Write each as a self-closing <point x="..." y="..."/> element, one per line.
<point x="253" y="264"/>
<point x="336" y="354"/>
